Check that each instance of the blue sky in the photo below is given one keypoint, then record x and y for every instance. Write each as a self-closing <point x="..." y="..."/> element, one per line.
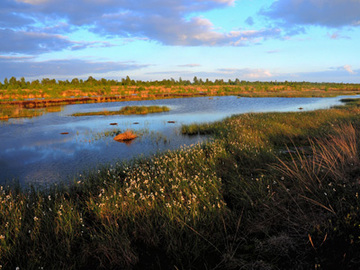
<point x="294" y="40"/>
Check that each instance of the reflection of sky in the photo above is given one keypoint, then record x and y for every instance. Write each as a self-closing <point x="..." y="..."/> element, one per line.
<point x="34" y="149"/>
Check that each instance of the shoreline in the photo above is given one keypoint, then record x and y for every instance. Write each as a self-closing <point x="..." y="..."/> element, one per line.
<point x="32" y="107"/>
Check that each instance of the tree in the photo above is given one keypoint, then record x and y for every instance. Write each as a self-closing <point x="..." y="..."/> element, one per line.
<point x="48" y="82"/>
<point x="103" y="81"/>
<point x="23" y="83"/>
<point x="13" y="81"/>
<point x="91" y="81"/>
<point x="6" y="82"/>
<point x="126" y="81"/>
<point x="75" y="81"/>
<point x="35" y="84"/>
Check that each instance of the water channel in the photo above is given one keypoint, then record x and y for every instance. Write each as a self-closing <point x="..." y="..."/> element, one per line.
<point x="34" y="150"/>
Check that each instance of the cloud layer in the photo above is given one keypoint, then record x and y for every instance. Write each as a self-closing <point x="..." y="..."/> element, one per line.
<point x="38" y="26"/>
<point x="329" y="13"/>
<point x="31" y="30"/>
<point x="31" y="42"/>
<point x="26" y="67"/>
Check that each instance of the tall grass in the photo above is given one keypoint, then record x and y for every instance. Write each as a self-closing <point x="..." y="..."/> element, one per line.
<point x="323" y="186"/>
<point x="118" y="214"/>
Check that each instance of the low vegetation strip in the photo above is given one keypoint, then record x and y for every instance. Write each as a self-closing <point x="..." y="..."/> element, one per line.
<point x="270" y="191"/>
<point x="17" y="96"/>
<point x="14" y="90"/>
<point x="128" y="110"/>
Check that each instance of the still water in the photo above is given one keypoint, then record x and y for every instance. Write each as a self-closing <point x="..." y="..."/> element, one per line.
<point x="34" y="150"/>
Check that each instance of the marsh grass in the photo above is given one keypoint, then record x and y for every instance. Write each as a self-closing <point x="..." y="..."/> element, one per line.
<point x="270" y="191"/>
<point x="128" y="110"/>
<point x="201" y="129"/>
<point x="324" y="189"/>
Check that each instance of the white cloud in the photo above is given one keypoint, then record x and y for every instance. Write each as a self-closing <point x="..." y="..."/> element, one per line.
<point x="247" y="73"/>
<point x="190" y="65"/>
<point x="349" y="69"/>
<point x="259" y="74"/>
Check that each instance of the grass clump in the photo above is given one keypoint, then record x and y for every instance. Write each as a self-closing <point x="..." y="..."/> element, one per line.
<point x="128" y="135"/>
<point x="201" y="129"/>
<point x="324" y="189"/>
<point x="270" y="191"/>
<point x="128" y="110"/>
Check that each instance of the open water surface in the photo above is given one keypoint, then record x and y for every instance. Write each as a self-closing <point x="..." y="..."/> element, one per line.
<point x="33" y="150"/>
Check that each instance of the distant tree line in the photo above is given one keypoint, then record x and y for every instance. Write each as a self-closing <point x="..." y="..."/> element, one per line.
<point x="14" y="83"/>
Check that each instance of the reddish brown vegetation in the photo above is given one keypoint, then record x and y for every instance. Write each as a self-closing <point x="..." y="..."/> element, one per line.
<point x="126" y="136"/>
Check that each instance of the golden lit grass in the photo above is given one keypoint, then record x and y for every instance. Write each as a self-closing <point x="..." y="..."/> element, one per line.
<point x="160" y="91"/>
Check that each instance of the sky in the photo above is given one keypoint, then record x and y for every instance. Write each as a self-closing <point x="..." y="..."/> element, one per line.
<point x="252" y="40"/>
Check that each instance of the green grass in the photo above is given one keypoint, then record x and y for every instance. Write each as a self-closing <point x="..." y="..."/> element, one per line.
<point x="270" y="191"/>
<point x="128" y="110"/>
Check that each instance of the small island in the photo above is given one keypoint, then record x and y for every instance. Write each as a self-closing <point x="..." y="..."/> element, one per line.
<point x="128" y="110"/>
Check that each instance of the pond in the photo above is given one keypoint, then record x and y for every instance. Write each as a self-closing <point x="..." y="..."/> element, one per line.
<point x="34" y="150"/>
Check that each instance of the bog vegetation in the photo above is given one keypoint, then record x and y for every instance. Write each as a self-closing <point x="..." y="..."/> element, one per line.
<point x="270" y="191"/>
<point x="21" y="98"/>
<point x="14" y="89"/>
<point x="128" y="110"/>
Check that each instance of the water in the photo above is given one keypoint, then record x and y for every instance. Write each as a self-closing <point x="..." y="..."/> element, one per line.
<point x="34" y="150"/>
